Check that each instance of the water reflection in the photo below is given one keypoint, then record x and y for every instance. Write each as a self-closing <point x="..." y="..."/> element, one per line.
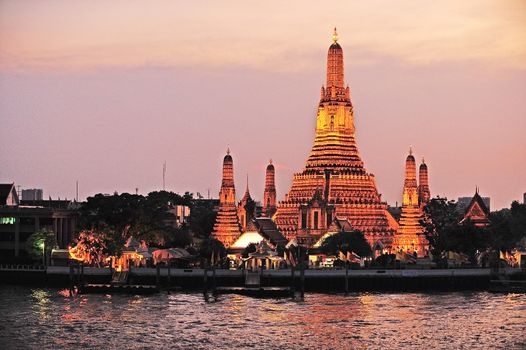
<point x="50" y="319"/>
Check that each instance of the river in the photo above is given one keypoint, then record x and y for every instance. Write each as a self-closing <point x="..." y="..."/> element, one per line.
<point x="45" y="318"/>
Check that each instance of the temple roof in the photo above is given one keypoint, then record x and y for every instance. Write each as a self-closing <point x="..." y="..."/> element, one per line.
<point x="246" y="197"/>
<point x="5" y="191"/>
<point x="477" y="212"/>
<point x="335" y="46"/>
<point x="268" y="228"/>
<point x="477" y="200"/>
<point x="258" y="230"/>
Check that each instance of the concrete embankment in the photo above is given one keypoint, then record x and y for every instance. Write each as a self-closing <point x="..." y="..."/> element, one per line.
<point x="314" y="280"/>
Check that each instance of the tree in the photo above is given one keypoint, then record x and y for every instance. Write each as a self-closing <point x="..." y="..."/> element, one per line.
<point x="212" y="246"/>
<point x="467" y="239"/>
<point x="116" y="218"/>
<point x="508" y="227"/>
<point x="440" y="218"/>
<point x="517" y="222"/>
<point x="202" y="219"/>
<point x="92" y="248"/>
<point x="346" y="242"/>
<point x="40" y="244"/>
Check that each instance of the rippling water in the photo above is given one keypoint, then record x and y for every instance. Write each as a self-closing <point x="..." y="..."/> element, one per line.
<point x="49" y="319"/>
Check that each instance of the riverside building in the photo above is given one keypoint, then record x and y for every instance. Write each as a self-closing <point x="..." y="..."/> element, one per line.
<point x="20" y="219"/>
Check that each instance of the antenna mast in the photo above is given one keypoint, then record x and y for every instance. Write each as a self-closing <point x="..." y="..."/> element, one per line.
<point x="164" y="174"/>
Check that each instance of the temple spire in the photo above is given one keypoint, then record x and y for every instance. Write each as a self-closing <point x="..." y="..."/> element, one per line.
<point x="409" y="238"/>
<point x="247" y="192"/>
<point x="335" y="76"/>
<point x="226" y="227"/>
<point x="269" y="195"/>
<point x="410" y="185"/>
<point x="423" y="184"/>
<point x="335" y="36"/>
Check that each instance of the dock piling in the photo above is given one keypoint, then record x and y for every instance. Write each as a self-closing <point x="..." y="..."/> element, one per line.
<point x="346" y="278"/>
<point x="205" y="284"/>
<point x="302" y="280"/>
<point x="292" y="283"/>
<point x="169" y="279"/>
<point x="158" y="276"/>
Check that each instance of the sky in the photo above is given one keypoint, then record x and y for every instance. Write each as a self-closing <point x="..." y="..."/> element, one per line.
<point x="105" y="92"/>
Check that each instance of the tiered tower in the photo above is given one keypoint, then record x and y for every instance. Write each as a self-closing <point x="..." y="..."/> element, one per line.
<point x="410" y="237"/>
<point x="269" y="196"/>
<point x="423" y="184"/>
<point x="226" y="227"/>
<point x="246" y="209"/>
<point x="334" y="181"/>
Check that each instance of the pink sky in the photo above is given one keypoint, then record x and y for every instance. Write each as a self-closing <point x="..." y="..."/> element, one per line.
<point x="105" y="92"/>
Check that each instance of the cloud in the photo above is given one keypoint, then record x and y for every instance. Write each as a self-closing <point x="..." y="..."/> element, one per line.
<point x="272" y="36"/>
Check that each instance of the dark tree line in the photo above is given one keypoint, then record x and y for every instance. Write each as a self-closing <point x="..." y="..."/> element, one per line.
<point x="116" y="218"/>
<point x="445" y="232"/>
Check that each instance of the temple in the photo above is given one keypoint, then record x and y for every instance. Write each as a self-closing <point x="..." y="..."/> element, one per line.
<point x="246" y="209"/>
<point x="269" y="195"/>
<point x="410" y="235"/>
<point x="424" y="195"/>
<point x="476" y="212"/>
<point x="334" y="181"/>
<point x="227" y="228"/>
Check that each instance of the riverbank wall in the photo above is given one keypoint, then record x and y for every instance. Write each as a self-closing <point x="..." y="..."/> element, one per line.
<point x="313" y="280"/>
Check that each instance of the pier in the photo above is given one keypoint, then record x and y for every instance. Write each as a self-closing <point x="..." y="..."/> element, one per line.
<point x="311" y="280"/>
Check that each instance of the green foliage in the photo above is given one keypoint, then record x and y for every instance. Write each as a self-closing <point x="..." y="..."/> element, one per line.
<point x="93" y="247"/>
<point x="346" y="242"/>
<point x="440" y="217"/>
<point x="211" y="245"/>
<point x="508" y="226"/>
<point x="119" y="217"/>
<point x="467" y="239"/>
<point x="202" y="219"/>
<point x="179" y="238"/>
<point x="445" y="233"/>
<point x="39" y="242"/>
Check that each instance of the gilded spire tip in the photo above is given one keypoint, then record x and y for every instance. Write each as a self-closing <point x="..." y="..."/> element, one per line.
<point x="410" y="150"/>
<point x="228" y="151"/>
<point x="270" y="161"/>
<point x="335" y="36"/>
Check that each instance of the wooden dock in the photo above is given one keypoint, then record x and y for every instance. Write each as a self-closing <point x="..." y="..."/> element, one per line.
<point x="261" y="292"/>
<point x="252" y="287"/>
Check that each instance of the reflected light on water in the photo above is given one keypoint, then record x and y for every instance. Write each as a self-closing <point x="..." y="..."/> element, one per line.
<point x="47" y="319"/>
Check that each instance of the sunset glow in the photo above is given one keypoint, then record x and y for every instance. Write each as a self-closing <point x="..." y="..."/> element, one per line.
<point x="128" y="86"/>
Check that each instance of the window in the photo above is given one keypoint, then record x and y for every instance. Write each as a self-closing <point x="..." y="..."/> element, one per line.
<point x="7" y="221"/>
<point x="316" y="220"/>
<point x="303" y="220"/>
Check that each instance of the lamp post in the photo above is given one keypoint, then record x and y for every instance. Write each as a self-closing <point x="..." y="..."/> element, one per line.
<point x="43" y="245"/>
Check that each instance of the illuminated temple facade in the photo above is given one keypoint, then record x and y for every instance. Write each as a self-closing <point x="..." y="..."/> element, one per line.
<point x="334" y="183"/>
<point x="227" y="227"/>
<point x="269" y="195"/>
<point x="410" y="236"/>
